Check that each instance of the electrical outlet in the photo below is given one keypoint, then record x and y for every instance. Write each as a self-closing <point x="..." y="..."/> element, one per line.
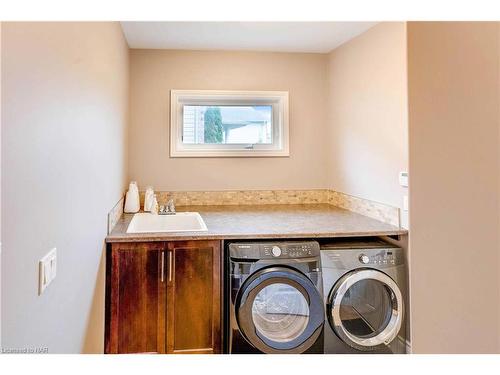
<point x="47" y="270"/>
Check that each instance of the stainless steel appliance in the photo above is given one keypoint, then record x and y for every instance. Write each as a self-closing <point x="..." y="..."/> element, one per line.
<point x="364" y="286"/>
<point x="276" y="298"/>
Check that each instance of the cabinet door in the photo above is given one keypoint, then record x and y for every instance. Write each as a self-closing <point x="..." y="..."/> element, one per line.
<point x="194" y="297"/>
<point x="136" y="298"/>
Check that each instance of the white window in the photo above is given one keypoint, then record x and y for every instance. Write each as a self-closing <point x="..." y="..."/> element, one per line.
<point x="207" y="123"/>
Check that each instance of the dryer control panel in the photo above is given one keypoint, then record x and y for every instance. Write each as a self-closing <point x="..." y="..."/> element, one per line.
<point x="274" y="250"/>
<point x="351" y="258"/>
<point x="379" y="258"/>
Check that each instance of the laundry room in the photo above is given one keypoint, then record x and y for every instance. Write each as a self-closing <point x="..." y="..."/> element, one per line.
<point x="229" y="187"/>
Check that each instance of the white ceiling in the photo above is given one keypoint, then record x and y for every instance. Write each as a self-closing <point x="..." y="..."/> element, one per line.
<point x="319" y="37"/>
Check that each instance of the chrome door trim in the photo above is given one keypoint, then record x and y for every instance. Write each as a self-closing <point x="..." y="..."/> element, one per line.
<point x="392" y="328"/>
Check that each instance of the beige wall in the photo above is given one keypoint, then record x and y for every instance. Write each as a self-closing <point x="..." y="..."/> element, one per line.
<point x="153" y="73"/>
<point x="454" y="140"/>
<point x="368" y="122"/>
<point x="64" y="116"/>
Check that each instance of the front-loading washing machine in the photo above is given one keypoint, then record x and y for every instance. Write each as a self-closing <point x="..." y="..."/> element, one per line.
<point x="275" y="298"/>
<point x="364" y="293"/>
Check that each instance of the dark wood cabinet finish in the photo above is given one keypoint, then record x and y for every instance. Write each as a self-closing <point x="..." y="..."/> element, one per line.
<point x="163" y="297"/>
<point x="137" y="299"/>
<point x="194" y="297"/>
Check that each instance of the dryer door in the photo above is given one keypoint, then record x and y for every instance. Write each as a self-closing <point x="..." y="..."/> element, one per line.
<point x="279" y="310"/>
<point x="365" y="309"/>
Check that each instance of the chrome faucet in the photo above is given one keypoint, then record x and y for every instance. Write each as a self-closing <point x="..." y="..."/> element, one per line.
<point x="168" y="209"/>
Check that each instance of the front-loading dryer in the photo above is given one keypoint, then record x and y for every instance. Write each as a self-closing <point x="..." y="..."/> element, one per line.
<point x="364" y="294"/>
<point x="276" y="298"/>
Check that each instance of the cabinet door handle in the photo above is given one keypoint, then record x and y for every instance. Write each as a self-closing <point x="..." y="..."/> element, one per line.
<point x="170" y="266"/>
<point x="162" y="265"/>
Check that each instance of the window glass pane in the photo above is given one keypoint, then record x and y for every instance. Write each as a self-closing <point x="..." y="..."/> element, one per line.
<point x="280" y="312"/>
<point x="366" y="308"/>
<point x="227" y="124"/>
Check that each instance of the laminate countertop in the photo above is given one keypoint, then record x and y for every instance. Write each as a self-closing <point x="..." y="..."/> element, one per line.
<point x="266" y="221"/>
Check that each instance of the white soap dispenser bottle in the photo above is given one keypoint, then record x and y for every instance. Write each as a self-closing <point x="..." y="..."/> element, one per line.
<point x="132" y="204"/>
<point x="154" y="205"/>
<point x="148" y="199"/>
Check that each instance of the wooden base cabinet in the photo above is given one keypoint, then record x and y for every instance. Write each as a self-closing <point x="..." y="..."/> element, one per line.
<point x="163" y="297"/>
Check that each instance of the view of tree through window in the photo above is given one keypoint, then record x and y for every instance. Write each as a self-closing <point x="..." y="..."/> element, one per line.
<point x="227" y="124"/>
<point x="213" y="125"/>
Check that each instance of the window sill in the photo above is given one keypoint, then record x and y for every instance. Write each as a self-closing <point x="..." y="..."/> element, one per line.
<point x="229" y="154"/>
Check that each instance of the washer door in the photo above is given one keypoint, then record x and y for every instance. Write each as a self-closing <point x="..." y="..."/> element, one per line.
<point x="279" y="310"/>
<point x="365" y="309"/>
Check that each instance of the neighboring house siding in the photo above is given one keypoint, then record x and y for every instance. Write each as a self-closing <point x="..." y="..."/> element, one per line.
<point x="248" y="133"/>
<point x="193" y="125"/>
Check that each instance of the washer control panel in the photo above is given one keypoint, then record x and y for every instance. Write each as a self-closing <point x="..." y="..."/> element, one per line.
<point x="290" y="250"/>
<point x="274" y="250"/>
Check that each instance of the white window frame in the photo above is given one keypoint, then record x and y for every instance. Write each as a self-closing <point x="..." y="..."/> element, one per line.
<point x="277" y="99"/>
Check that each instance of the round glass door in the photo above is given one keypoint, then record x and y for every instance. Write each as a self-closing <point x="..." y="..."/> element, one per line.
<point x="366" y="309"/>
<point x="280" y="310"/>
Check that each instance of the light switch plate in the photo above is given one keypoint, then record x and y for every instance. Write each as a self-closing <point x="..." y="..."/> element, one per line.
<point x="405" y="203"/>
<point x="47" y="270"/>
<point x="403" y="178"/>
